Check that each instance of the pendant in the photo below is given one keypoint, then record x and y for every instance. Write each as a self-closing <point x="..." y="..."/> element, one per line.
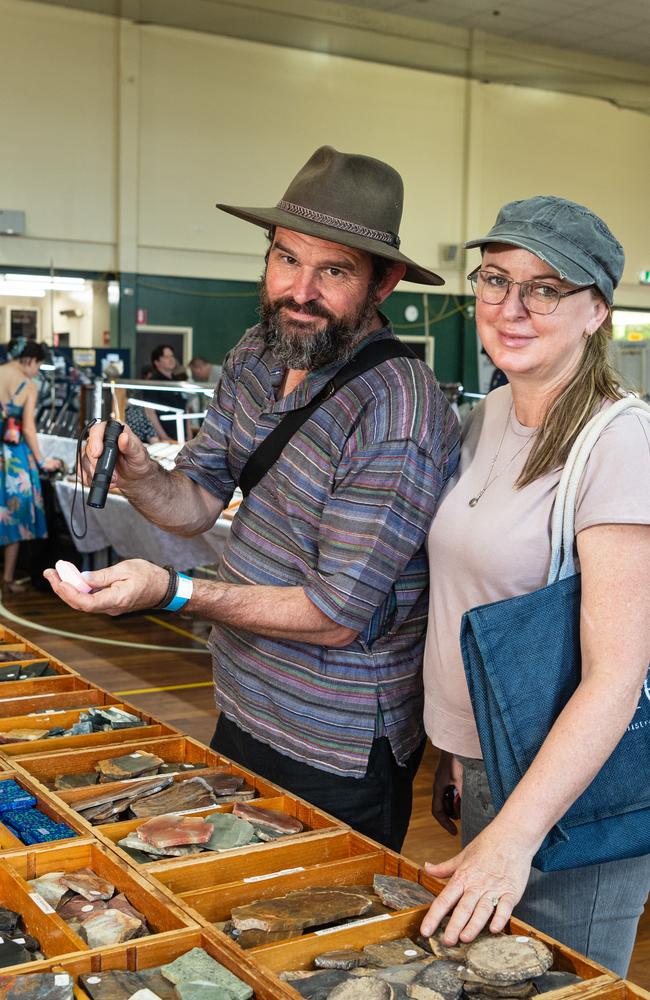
<point x="473" y="502"/>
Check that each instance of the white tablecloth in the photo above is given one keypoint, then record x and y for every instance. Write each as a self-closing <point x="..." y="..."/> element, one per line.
<point x="121" y="526"/>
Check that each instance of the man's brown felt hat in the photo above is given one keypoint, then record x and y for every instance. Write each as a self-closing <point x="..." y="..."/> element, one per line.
<point x="344" y="198"/>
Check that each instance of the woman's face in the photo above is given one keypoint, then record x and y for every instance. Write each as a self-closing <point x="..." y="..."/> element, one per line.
<point x="546" y="349"/>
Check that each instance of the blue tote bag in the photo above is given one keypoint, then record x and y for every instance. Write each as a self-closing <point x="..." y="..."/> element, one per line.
<point x="522" y="662"/>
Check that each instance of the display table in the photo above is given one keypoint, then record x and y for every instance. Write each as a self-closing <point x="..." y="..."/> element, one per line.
<point x="121" y="527"/>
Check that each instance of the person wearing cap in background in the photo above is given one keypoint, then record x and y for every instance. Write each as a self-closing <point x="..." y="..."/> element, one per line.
<point x="319" y="611"/>
<point x="544" y="289"/>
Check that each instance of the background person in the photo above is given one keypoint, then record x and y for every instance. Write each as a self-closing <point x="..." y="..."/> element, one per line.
<point x="203" y="371"/>
<point x="164" y="365"/>
<point x="22" y="515"/>
<point x="320" y="610"/>
<point x="544" y="289"/>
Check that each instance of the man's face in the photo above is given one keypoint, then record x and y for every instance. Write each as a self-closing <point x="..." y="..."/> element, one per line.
<point x="317" y="299"/>
<point x="166" y="363"/>
<point x="200" y="371"/>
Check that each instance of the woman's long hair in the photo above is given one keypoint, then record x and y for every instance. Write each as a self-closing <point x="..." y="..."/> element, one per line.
<point x="594" y="381"/>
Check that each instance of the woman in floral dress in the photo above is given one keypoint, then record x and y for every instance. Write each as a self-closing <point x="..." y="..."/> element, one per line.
<point x="22" y="515"/>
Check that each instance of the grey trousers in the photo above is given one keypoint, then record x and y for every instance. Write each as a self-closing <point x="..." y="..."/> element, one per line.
<point x="594" y="910"/>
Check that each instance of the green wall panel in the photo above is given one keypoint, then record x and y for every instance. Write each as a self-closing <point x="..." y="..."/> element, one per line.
<point x="220" y="311"/>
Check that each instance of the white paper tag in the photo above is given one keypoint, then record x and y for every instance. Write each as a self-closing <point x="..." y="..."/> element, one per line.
<point x="86" y="909"/>
<point x="42" y="903"/>
<point x="410" y="953"/>
<point x="19" y="940"/>
<point x="354" y="923"/>
<point x="132" y="755"/>
<point x="94" y="979"/>
<point x="522" y="940"/>
<point x="262" y="878"/>
<point x="61" y="979"/>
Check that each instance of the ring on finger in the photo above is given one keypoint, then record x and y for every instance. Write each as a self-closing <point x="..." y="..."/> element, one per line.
<point x="494" y="901"/>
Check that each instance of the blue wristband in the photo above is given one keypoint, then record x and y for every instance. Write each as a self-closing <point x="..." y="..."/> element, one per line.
<point x="183" y="593"/>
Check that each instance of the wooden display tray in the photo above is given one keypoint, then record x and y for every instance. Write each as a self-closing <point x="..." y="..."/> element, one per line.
<point x="38" y="918"/>
<point x="57" y="811"/>
<point x="209" y="903"/>
<point x="313" y="820"/>
<point x="172" y="749"/>
<point x="33" y="686"/>
<point x="51" y="746"/>
<point x="299" y="953"/>
<point x="34" y="705"/>
<point x="163" y="915"/>
<point x="211" y="871"/>
<point x="146" y="953"/>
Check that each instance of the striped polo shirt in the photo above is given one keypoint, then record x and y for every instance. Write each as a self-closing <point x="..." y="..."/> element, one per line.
<point x="343" y="513"/>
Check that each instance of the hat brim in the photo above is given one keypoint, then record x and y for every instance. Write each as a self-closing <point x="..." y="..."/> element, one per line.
<point x="267" y="217"/>
<point x="560" y="262"/>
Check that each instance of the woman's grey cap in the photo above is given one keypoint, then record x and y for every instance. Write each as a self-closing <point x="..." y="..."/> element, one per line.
<point x="568" y="236"/>
<point x="345" y="198"/>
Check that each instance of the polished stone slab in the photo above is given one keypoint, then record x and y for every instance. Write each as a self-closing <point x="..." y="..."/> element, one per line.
<point x="268" y="823"/>
<point x="37" y="986"/>
<point x="401" y="893"/>
<point x="173" y="831"/>
<point x="390" y="953"/>
<point x="196" y="966"/>
<point x="119" y="985"/>
<point x="194" y="793"/>
<point x="297" y="911"/>
<point x="229" y="831"/>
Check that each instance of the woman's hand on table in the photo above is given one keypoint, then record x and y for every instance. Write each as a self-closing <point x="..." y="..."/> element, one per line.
<point x="486" y="881"/>
<point x="132" y="585"/>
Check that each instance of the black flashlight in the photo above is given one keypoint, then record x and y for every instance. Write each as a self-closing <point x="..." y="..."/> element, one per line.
<point x="105" y="466"/>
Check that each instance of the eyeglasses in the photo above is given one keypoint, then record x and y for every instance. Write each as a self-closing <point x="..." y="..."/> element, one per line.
<point x="537" y="296"/>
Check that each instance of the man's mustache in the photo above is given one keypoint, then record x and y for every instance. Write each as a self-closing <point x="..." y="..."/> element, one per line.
<point x="307" y="308"/>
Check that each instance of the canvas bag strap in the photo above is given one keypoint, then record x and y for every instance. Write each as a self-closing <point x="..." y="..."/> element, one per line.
<point x="268" y="452"/>
<point x="563" y="523"/>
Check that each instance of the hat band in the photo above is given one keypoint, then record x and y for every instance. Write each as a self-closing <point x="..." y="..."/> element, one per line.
<point x="342" y="224"/>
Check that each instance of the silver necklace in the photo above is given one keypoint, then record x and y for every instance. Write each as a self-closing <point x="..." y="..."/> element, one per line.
<point x="489" y="480"/>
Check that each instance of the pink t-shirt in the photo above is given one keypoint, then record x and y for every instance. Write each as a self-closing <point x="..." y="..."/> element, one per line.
<point x="502" y="547"/>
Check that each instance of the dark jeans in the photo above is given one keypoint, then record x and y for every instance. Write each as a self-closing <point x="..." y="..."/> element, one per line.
<point x="377" y="805"/>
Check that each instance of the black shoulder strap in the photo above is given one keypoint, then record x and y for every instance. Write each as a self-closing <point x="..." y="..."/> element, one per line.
<point x="268" y="452"/>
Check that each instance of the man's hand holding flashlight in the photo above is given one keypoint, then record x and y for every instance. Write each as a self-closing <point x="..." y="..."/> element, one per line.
<point x="133" y="462"/>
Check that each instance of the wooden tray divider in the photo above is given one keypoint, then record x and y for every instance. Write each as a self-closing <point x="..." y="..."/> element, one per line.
<point x="170" y="748"/>
<point x="212" y="904"/>
<point x="163" y="914"/>
<point x="37" y="705"/>
<point x="38" y="918"/>
<point x="191" y="874"/>
<point x="57" y="811"/>
<point x="55" y="744"/>
<point x="146" y="953"/>
<point x="299" y="953"/>
<point x="33" y="686"/>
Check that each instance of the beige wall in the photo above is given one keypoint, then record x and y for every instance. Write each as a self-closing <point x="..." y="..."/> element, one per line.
<point x="120" y="138"/>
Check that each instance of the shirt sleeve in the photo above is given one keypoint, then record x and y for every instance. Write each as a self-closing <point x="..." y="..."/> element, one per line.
<point x="204" y="459"/>
<point x="615" y="488"/>
<point x="375" y="521"/>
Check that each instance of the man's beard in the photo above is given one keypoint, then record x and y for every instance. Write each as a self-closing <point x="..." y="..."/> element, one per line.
<point x="300" y="346"/>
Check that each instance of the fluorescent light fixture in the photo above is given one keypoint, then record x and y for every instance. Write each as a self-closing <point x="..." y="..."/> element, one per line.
<point x="47" y="279"/>
<point x="41" y="283"/>
<point x="21" y="290"/>
<point x="113" y="293"/>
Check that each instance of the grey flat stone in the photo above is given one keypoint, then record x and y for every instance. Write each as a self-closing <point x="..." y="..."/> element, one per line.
<point x="443" y="977"/>
<point x="229" y="831"/>
<point x="390" y="953"/>
<point x="508" y="958"/>
<point x="556" y="980"/>
<point x="319" y="985"/>
<point x="363" y="989"/>
<point x="401" y="893"/>
<point x="197" y="966"/>
<point x="344" y="960"/>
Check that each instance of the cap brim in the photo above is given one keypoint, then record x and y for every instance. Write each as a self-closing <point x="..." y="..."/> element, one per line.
<point x="267" y="217"/>
<point x="565" y="266"/>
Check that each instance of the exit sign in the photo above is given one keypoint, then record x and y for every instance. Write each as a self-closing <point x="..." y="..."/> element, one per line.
<point x="644" y="277"/>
